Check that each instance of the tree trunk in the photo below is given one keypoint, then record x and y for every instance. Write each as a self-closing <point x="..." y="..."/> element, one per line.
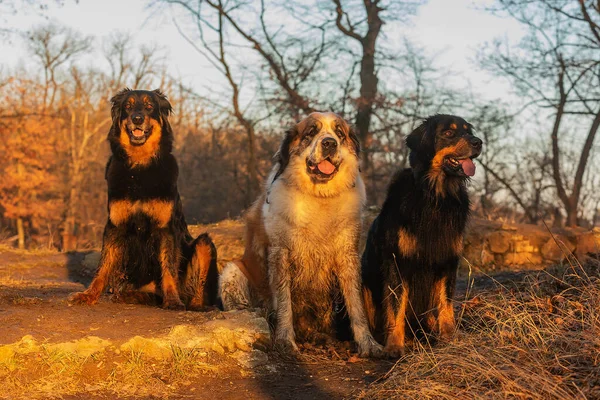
<point x="253" y="183"/>
<point x="571" y="215"/>
<point x="20" y="233"/>
<point x="368" y="84"/>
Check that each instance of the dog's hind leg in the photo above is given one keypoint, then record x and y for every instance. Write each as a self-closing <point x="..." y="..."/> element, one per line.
<point x="169" y="265"/>
<point x="201" y="274"/>
<point x="234" y="288"/>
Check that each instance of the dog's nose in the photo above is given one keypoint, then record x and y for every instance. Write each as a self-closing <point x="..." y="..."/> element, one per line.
<point x="476" y="142"/>
<point x="329" y="146"/>
<point x="137" y="119"/>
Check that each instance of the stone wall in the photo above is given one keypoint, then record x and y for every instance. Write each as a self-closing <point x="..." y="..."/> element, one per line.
<point x="492" y="244"/>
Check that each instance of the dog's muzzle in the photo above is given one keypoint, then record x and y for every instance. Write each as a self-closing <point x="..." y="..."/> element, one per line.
<point x="464" y="165"/>
<point x="328" y="147"/>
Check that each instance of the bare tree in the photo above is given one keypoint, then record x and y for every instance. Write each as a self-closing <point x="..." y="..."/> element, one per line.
<point x="217" y="56"/>
<point x="556" y="67"/>
<point x="54" y="46"/>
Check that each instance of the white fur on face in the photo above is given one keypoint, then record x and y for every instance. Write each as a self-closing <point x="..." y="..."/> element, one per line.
<point x="347" y="161"/>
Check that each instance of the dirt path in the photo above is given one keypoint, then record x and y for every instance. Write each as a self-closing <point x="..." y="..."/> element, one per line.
<point x="92" y="362"/>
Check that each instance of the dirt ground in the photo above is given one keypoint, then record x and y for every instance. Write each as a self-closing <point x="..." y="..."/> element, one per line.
<point x="35" y="286"/>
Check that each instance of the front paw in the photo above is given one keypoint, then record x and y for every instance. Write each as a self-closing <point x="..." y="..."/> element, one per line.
<point x="173" y="304"/>
<point x="286" y="346"/>
<point x="394" y="351"/>
<point x="84" y="298"/>
<point x="368" y="347"/>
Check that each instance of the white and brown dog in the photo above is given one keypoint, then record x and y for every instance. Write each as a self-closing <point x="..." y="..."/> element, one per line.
<point x="302" y="237"/>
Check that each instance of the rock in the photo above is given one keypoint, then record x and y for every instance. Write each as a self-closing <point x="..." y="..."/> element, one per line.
<point x="84" y="347"/>
<point x="236" y="331"/>
<point x="524" y="246"/>
<point x="90" y="263"/>
<point x="554" y="251"/>
<point x="588" y="242"/>
<point x="523" y="259"/>
<point x="487" y="257"/>
<point x="252" y="359"/>
<point x="508" y="227"/>
<point x="499" y="242"/>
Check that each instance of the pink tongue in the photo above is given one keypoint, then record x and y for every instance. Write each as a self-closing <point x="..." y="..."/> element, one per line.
<point x="138" y="133"/>
<point x="468" y="166"/>
<point x="326" y="167"/>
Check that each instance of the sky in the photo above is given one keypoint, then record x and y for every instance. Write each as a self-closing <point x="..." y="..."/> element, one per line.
<point x="451" y="30"/>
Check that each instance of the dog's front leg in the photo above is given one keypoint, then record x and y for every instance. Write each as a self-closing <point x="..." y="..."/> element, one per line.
<point x="279" y="279"/>
<point x="169" y="264"/>
<point x="350" y="284"/>
<point x="110" y="259"/>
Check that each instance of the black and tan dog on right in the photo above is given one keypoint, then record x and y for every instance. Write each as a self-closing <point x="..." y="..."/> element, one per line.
<point x="411" y="257"/>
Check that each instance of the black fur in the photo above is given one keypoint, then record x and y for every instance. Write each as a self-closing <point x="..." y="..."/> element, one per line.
<point x="435" y="218"/>
<point x="142" y="238"/>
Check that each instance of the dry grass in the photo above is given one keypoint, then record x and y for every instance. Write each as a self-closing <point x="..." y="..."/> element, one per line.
<point x="55" y="374"/>
<point x="539" y="339"/>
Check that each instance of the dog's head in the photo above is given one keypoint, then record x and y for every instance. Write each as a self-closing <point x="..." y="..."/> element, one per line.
<point x="320" y="153"/>
<point x="443" y="147"/>
<point x="140" y="120"/>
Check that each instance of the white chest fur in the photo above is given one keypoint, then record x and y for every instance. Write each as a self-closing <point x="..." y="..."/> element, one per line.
<point x="313" y="228"/>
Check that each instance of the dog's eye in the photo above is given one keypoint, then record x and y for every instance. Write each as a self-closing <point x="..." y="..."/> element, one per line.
<point x="340" y="133"/>
<point x="149" y="107"/>
<point x="128" y="106"/>
<point x="449" y="134"/>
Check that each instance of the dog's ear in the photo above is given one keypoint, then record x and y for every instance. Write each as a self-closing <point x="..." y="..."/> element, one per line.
<point x="164" y="107"/>
<point x="282" y="157"/>
<point x="421" y="141"/>
<point x="116" y="105"/>
<point x="354" y="140"/>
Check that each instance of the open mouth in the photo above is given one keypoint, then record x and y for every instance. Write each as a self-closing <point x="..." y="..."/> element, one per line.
<point x="323" y="170"/>
<point x="464" y="166"/>
<point x="137" y="135"/>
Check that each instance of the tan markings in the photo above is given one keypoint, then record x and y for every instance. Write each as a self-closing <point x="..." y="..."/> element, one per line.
<point x="453" y="126"/>
<point x="109" y="260"/>
<point x="396" y="322"/>
<point x="197" y="275"/>
<point x="168" y="285"/>
<point x="369" y="307"/>
<point x="159" y="210"/>
<point x="436" y="175"/>
<point x="149" y="288"/>
<point x="458" y="244"/>
<point x="168" y="263"/>
<point x="407" y="243"/>
<point x="142" y="155"/>
<point x="465" y="126"/>
<point x="445" y="310"/>
<point x="119" y="211"/>
<point x="327" y="120"/>
<point x="431" y="321"/>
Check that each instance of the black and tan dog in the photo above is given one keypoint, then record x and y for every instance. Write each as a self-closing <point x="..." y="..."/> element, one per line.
<point x="411" y="258"/>
<point x="302" y="238"/>
<point x="146" y="240"/>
